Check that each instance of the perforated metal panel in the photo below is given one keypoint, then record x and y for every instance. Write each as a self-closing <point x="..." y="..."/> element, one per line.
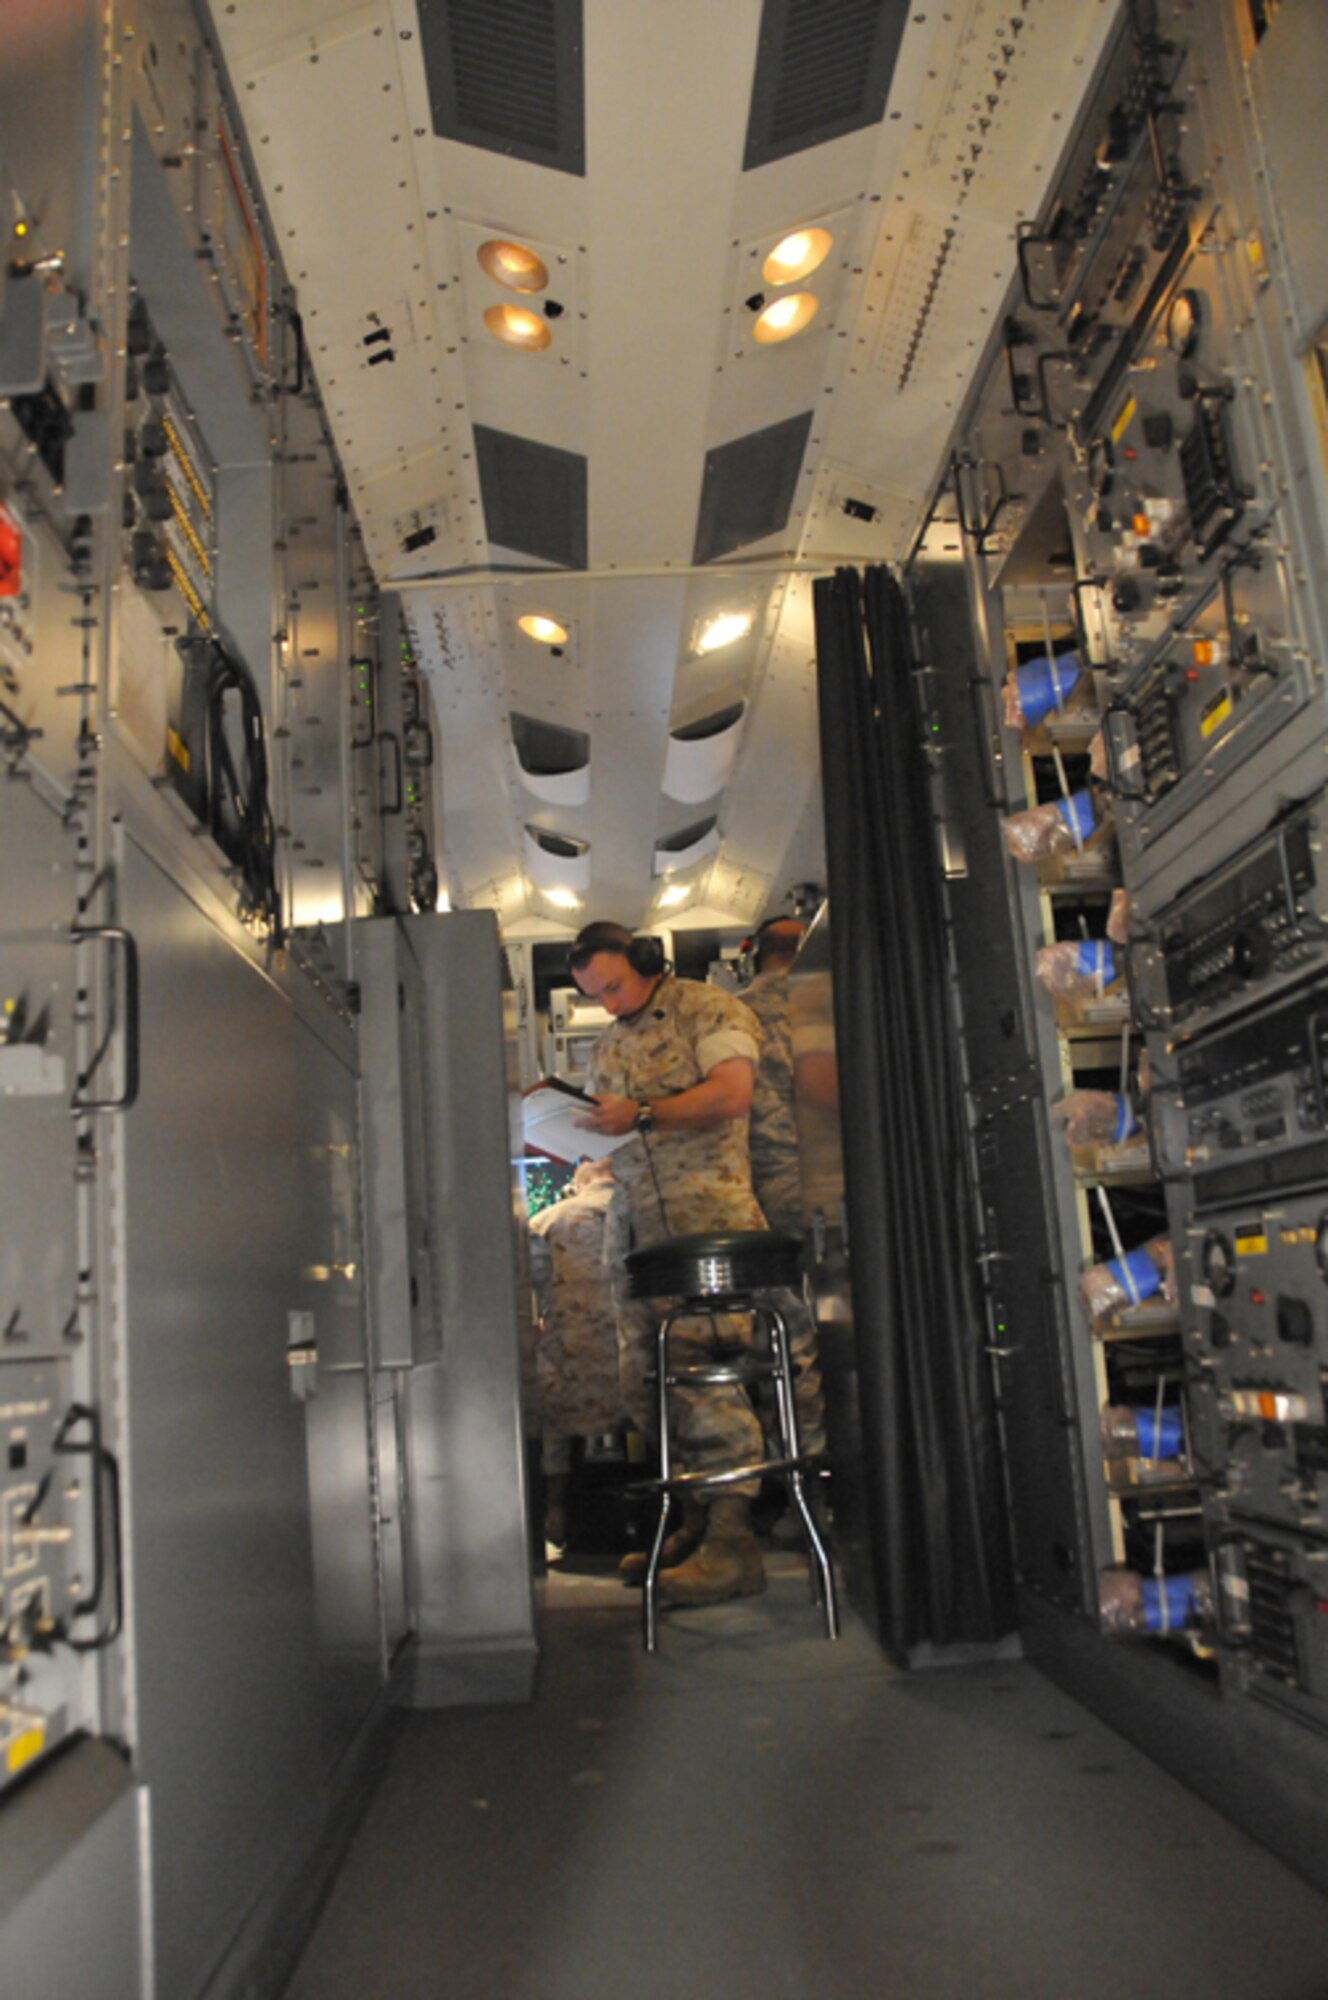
<point x="507" y="75"/>
<point x="534" y="496"/>
<point x="546" y="748"/>
<point x="823" y="68"/>
<point x="748" y="487"/>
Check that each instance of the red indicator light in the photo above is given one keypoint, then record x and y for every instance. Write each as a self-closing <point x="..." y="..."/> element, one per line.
<point x="1257" y="1299"/>
<point x="11" y="554"/>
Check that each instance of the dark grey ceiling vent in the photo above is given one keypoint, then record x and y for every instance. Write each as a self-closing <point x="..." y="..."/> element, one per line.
<point x="823" y="68"/>
<point x="534" y="497"/>
<point x="508" y="75"/>
<point x="547" y="750"/>
<point x="709" y="725"/>
<point x="686" y="836"/>
<point x="565" y="846"/>
<point x="748" y="487"/>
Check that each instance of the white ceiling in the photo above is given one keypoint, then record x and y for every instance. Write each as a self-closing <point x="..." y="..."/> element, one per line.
<point x="652" y="253"/>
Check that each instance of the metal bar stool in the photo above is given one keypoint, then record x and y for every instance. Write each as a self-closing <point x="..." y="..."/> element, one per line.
<point x="728" y="1273"/>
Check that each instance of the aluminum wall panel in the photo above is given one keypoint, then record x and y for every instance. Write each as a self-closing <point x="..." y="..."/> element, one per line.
<point x="222" y="1226"/>
<point x="68" y="1881"/>
<point x="470" y="1555"/>
<point x="349" y="1647"/>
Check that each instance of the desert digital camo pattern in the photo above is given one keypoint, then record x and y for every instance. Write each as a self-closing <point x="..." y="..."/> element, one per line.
<point x="678" y="1184"/>
<point x="777" y="1180"/>
<point x="576" y="1357"/>
<point x="773" y="1137"/>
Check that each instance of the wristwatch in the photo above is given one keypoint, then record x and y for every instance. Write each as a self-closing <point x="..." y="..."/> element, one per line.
<point x="645" y="1119"/>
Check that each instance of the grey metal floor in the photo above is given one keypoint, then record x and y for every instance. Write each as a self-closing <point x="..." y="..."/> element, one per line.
<point x="758" y="1815"/>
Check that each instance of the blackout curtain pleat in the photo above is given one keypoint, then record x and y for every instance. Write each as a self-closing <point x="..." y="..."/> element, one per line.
<point x="930" y="1442"/>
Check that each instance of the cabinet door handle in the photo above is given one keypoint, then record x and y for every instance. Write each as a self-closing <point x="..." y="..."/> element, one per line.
<point x="114" y="935"/>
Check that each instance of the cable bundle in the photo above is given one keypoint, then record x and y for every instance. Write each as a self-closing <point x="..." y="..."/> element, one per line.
<point x="227" y="782"/>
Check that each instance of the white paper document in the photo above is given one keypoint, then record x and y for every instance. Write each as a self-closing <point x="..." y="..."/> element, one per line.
<point x="552" y="1110"/>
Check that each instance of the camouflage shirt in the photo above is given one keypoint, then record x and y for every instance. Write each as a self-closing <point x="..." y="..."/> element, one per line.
<point x="774" y="1130"/>
<point x="704" y="1177"/>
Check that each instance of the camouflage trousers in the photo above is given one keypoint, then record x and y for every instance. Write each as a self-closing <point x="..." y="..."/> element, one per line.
<point x="780" y="1196"/>
<point x="715" y="1425"/>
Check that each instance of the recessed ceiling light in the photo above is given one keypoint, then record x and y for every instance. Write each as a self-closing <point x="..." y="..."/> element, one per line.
<point x="671" y="897"/>
<point x="547" y="630"/>
<point x="785" y="317"/>
<point x="797" y="256"/>
<point x="563" y="899"/>
<point x="517" y="327"/>
<point x="511" y="264"/>
<point x="722" y="630"/>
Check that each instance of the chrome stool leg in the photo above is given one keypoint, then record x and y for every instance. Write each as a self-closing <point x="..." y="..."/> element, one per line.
<point x="822" y="1573"/>
<point x="649" y="1599"/>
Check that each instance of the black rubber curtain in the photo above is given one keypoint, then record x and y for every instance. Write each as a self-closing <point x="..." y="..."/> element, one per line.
<point x="930" y="1448"/>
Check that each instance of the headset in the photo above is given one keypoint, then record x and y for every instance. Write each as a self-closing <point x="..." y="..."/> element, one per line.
<point x="749" y="951"/>
<point x="644" y="954"/>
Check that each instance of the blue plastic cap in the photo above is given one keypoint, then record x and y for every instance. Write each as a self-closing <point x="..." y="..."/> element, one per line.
<point x="1078" y="813"/>
<point x="1170" y="1603"/>
<point x="1096" y="960"/>
<point x="1136" y="1274"/>
<point x="1045" y="685"/>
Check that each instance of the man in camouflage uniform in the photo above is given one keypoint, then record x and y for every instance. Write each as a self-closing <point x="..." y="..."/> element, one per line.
<point x="675" y="1072"/>
<point x="776" y="1175"/>
<point x="576" y="1358"/>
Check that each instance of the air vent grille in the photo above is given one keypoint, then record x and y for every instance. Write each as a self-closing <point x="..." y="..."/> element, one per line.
<point x="546" y="749"/>
<point x="534" y="497"/>
<point x="709" y="725"/>
<point x="823" y="68"/>
<point x="749" y="486"/>
<point x="508" y="75"/>
<point x="687" y="836"/>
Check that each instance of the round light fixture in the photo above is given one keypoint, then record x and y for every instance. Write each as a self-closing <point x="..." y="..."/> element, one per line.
<point x="785" y="317"/>
<point x="797" y="256"/>
<point x="512" y="265"/>
<point x="547" y="630"/>
<point x="516" y="327"/>
<point x="722" y="630"/>
<point x="676" y="893"/>
<point x="563" y="899"/>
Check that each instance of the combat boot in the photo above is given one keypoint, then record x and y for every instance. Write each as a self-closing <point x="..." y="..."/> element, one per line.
<point x="685" y="1538"/>
<point x="727" y="1564"/>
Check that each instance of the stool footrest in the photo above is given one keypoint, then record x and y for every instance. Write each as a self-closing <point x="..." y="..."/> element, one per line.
<point x="696" y="1482"/>
<point x="717" y="1373"/>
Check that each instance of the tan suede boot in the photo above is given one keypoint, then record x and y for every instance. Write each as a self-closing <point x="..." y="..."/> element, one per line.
<point x="727" y="1564"/>
<point x="677" y="1547"/>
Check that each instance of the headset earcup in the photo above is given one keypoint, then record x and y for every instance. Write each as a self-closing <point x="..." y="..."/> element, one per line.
<point x="645" y="955"/>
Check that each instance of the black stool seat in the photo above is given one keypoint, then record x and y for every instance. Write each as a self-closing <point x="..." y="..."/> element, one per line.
<point x="729" y="1265"/>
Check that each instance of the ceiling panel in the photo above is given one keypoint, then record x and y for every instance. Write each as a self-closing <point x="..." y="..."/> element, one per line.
<point x="651" y="370"/>
<point x="506" y="75"/>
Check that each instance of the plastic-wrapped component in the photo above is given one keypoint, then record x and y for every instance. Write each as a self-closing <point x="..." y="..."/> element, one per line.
<point x="1096" y="1117"/>
<point x="1131" y="1606"/>
<point x="1118" y="917"/>
<point x="1265" y="1406"/>
<point x="1076" y="969"/>
<point x="1142" y="1431"/>
<point x="1146" y="1273"/>
<point x="1040" y="688"/>
<point x="1042" y="831"/>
